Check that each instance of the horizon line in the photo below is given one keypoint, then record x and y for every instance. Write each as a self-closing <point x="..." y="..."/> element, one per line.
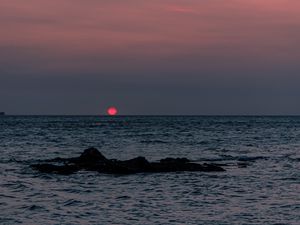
<point x="129" y="115"/>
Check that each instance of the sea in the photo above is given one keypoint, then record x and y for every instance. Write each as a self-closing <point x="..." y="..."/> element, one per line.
<point x="261" y="184"/>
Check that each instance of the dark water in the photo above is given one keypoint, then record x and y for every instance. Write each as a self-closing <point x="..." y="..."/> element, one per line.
<point x="261" y="184"/>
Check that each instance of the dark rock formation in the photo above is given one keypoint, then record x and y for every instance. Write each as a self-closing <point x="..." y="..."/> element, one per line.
<point x="92" y="160"/>
<point x="92" y="155"/>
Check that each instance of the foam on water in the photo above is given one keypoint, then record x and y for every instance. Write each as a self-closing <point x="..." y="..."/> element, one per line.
<point x="261" y="184"/>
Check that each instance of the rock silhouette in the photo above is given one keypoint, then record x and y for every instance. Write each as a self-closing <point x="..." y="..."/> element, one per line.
<point x="93" y="160"/>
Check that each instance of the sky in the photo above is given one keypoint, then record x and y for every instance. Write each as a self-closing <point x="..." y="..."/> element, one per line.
<point x="157" y="57"/>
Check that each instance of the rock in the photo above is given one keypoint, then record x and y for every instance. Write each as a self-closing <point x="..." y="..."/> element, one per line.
<point x="136" y="164"/>
<point x="174" y="160"/>
<point x="49" y="168"/>
<point x="92" y="154"/>
<point x="93" y="160"/>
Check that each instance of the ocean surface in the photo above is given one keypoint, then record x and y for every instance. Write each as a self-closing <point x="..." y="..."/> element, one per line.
<point x="261" y="184"/>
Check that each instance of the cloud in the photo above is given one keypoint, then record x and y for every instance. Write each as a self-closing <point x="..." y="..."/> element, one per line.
<point x="180" y="9"/>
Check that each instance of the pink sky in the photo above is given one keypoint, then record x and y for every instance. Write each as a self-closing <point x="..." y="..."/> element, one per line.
<point x="266" y="30"/>
<point x="143" y="41"/>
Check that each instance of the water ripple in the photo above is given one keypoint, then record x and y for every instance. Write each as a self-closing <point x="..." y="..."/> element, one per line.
<point x="260" y="186"/>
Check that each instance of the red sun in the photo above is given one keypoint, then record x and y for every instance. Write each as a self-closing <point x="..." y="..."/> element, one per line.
<point x="112" y="111"/>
